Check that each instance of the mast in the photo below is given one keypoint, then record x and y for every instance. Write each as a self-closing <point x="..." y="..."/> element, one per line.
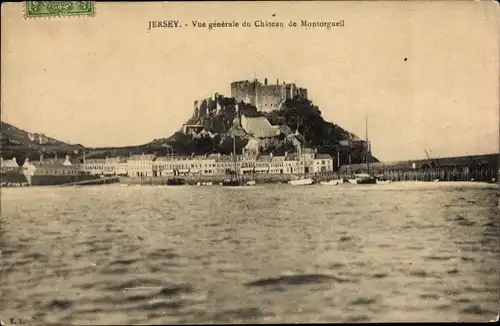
<point x="367" y="147"/>
<point x="234" y="154"/>
<point x="350" y="162"/>
<point x="303" y="156"/>
<point x="302" y="149"/>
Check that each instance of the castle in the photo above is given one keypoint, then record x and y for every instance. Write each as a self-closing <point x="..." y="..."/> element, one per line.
<point x="265" y="97"/>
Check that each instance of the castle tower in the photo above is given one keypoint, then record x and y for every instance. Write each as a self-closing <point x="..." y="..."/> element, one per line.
<point x="196" y="110"/>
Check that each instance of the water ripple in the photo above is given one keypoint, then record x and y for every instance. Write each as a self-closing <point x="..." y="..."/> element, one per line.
<point x="270" y="254"/>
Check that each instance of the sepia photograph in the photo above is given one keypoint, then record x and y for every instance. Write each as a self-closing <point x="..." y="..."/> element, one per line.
<point x="249" y="162"/>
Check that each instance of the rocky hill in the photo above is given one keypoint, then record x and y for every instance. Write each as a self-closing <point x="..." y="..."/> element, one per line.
<point x="298" y="119"/>
<point x="21" y="143"/>
<point x="214" y="125"/>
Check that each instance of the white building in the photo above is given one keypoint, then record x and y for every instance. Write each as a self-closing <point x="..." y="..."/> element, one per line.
<point x="277" y="165"/>
<point x="184" y="165"/>
<point x="8" y="165"/>
<point x="263" y="164"/>
<point x="225" y="163"/>
<point x="122" y="167"/>
<point x="94" y="166"/>
<point x="140" y="165"/>
<point x="322" y="163"/>
<point x="291" y="164"/>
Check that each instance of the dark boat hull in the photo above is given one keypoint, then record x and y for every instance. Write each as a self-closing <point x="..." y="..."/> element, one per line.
<point x="367" y="181"/>
<point x="175" y="182"/>
<point x="232" y="183"/>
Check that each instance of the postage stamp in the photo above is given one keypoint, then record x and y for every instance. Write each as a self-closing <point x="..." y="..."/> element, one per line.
<point x="36" y="9"/>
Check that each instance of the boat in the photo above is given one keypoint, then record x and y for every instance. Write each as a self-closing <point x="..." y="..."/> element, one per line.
<point x="231" y="183"/>
<point x="382" y="180"/>
<point x="301" y="182"/>
<point x="234" y="181"/>
<point x="251" y="183"/>
<point x="363" y="178"/>
<point x="176" y="182"/>
<point x="332" y="182"/>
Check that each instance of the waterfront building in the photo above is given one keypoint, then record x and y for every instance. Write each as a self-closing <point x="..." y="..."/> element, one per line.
<point x="50" y="167"/>
<point x="122" y="167"/>
<point x="101" y="166"/>
<point x="202" y="165"/>
<point x="322" y="163"/>
<point x="8" y="166"/>
<point x="163" y="167"/>
<point x="111" y="166"/>
<point x="226" y="164"/>
<point x="94" y="166"/>
<point x="184" y="165"/>
<point x="277" y="165"/>
<point x="291" y="163"/>
<point x="246" y="163"/>
<point x="140" y="165"/>
<point x="263" y="164"/>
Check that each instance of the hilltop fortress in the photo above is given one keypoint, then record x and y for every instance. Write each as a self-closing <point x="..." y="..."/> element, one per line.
<point x="264" y="97"/>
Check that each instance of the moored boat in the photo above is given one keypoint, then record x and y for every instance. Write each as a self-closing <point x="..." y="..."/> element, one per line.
<point x="332" y="182"/>
<point x="176" y="182"/>
<point x="231" y="183"/>
<point x="301" y="182"/>
<point x="365" y="178"/>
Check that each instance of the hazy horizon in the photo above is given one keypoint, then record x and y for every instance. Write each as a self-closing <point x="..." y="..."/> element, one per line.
<point x="425" y="74"/>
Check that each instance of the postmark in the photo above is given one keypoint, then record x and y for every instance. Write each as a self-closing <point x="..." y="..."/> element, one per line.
<point x="40" y="9"/>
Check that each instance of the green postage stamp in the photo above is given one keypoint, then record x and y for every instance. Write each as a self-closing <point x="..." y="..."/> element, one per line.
<point x="36" y="9"/>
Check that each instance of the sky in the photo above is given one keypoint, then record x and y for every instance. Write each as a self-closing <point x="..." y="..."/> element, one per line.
<point x="425" y="74"/>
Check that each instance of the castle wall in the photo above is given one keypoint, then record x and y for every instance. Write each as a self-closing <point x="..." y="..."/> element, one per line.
<point x="301" y="93"/>
<point x="269" y="97"/>
<point x="244" y="90"/>
<point x="263" y="96"/>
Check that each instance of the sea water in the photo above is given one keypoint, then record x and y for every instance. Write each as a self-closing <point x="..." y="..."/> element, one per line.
<point x="273" y="253"/>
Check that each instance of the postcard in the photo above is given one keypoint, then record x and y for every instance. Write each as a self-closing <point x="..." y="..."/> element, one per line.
<point x="249" y="162"/>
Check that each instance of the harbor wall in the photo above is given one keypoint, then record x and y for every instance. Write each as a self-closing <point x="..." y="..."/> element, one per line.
<point x="441" y="174"/>
<point x="487" y="174"/>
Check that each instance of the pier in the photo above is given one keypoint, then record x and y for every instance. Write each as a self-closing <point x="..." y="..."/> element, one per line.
<point x="95" y="182"/>
<point x="480" y="168"/>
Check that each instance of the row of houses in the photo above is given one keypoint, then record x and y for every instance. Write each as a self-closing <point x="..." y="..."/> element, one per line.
<point x="209" y="165"/>
<point x="147" y="165"/>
